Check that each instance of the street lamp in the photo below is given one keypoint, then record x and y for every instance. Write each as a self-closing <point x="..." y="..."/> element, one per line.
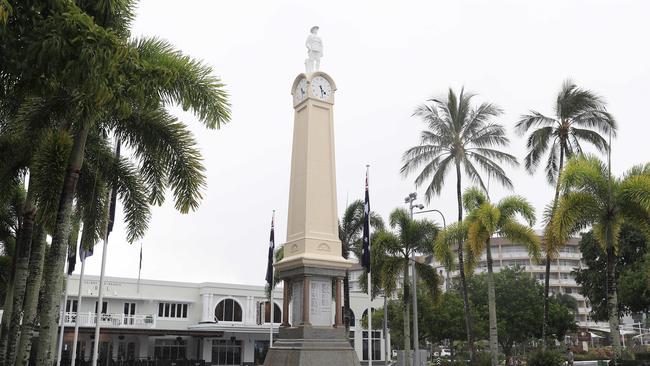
<point x="444" y="226"/>
<point x="416" y="343"/>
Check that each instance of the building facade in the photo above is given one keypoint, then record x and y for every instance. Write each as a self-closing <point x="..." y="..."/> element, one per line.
<point x="508" y="254"/>
<point x="214" y="323"/>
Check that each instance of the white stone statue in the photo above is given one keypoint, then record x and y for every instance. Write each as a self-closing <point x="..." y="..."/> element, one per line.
<point x="314" y="50"/>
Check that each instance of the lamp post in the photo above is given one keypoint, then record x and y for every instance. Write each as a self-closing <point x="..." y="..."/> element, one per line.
<point x="444" y="226"/>
<point x="416" y="343"/>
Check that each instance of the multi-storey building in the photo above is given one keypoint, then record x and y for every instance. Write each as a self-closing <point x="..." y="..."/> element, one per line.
<point x="508" y="254"/>
<point x="220" y="324"/>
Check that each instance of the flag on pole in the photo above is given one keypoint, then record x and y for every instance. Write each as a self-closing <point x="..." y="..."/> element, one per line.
<point x="83" y="253"/>
<point x="113" y="204"/>
<point x="365" y="255"/>
<point x="269" y="266"/>
<point x="140" y="266"/>
<point x="72" y="259"/>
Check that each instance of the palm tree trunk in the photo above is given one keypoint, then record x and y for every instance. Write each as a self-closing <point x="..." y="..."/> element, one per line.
<point x="6" y="315"/>
<point x="461" y="270"/>
<point x="346" y="301"/>
<point x="547" y="273"/>
<point x="492" y="308"/>
<point x="407" y="316"/>
<point x="22" y="272"/>
<point x="31" y="297"/>
<point x="58" y="251"/>
<point x="612" y="297"/>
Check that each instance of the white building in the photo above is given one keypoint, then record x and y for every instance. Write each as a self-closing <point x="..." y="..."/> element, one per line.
<point x="221" y="324"/>
<point x="508" y="254"/>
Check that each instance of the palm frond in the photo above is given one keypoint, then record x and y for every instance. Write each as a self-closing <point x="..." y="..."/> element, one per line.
<point x="187" y="82"/>
<point x="517" y="205"/>
<point x="537" y="144"/>
<point x="534" y="119"/>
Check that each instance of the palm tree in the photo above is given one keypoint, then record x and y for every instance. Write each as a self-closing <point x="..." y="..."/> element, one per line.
<point x="350" y="232"/>
<point x="391" y="256"/>
<point x="461" y="137"/>
<point x="138" y="74"/>
<point x="594" y="198"/>
<point x="485" y="220"/>
<point x="580" y="117"/>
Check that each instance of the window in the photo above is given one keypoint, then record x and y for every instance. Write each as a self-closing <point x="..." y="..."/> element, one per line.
<point x="170" y="349"/>
<point x="226" y="352"/>
<point x="71" y="306"/>
<point x="228" y="310"/>
<point x="376" y="345"/>
<point x="351" y="338"/>
<point x="129" y="313"/>
<point x="104" y="307"/>
<point x="172" y="310"/>
<point x="264" y="309"/>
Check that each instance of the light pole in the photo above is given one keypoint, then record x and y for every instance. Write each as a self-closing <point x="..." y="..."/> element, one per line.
<point x="416" y="343"/>
<point x="444" y="226"/>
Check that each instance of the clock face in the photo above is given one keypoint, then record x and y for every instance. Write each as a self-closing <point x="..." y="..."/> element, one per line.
<point x="300" y="93"/>
<point x="321" y="88"/>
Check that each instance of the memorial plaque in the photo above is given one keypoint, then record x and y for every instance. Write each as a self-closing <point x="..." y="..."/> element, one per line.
<point x="320" y="311"/>
<point x="296" y="298"/>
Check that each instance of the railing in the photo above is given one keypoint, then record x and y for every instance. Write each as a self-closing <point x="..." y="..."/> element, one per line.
<point x="138" y="362"/>
<point x="111" y="320"/>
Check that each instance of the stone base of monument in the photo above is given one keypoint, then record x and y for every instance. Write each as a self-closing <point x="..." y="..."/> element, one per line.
<point x="312" y="346"/>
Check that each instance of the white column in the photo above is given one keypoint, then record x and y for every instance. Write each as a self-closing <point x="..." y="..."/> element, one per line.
<point x="205" y="315"/>
<point x="143" y="346"/>
<point x="207" y="350"/>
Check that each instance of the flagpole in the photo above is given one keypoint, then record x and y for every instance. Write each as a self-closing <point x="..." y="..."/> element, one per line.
<point x="386" y="350"/>
<point x="100" y="299"/>
<point x="369" y="275"/>
<point x="76" y="320"/>
<point x="271" y="303"/>
<point x="139" y="269"/>
<point x="62" y="321"/>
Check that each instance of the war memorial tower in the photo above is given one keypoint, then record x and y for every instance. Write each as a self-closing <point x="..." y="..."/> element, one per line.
<point x="312" y="268"/>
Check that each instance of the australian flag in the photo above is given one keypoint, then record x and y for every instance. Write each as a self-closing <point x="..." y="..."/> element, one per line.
<point x="365" y="254"/>
<point x="269" y="266"/>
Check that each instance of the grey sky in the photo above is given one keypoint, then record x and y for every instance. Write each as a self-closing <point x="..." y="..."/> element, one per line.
<point x="386" y="58"/>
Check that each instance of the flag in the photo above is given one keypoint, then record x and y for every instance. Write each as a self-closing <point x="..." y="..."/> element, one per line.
<point x="72" y="259"/>
<point x="140" y="267"/>
<point x="269" y="266"/>
<point x="365" y="255"/>
<point x="83" y="253"/>
<point x="113" y="204"/>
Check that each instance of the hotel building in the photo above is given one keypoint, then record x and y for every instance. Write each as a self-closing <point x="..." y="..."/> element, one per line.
<point x="178" y="323"/>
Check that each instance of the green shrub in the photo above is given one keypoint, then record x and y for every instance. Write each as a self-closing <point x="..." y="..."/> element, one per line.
<point x="543" y="357"/>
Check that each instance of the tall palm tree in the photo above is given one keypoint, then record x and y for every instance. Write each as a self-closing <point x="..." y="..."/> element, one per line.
<point x="580" y="117"/>
<point x="122" y="78"/>
<point x="486" y="219"/>
<point x="391" y="256"/>
<point x="458" y="137"/>
<point x="595" y="198"/>
<point x="350" y="233"/>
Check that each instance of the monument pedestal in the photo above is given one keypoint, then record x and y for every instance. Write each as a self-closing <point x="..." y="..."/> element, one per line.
<point x="313" y="346"/>
<point x="316" y="335"/>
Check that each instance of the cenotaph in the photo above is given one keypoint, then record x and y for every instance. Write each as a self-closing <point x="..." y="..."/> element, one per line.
<point x="312" y="268"/>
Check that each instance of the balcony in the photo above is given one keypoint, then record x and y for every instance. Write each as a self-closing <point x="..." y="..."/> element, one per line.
<point x="111" y="320"/>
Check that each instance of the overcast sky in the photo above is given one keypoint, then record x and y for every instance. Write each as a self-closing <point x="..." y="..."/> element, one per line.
<point x="386" y="58"/>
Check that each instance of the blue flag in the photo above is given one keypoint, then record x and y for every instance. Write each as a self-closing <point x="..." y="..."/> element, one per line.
<point x="365" y="255"/>
<point x="269" y="266"/>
